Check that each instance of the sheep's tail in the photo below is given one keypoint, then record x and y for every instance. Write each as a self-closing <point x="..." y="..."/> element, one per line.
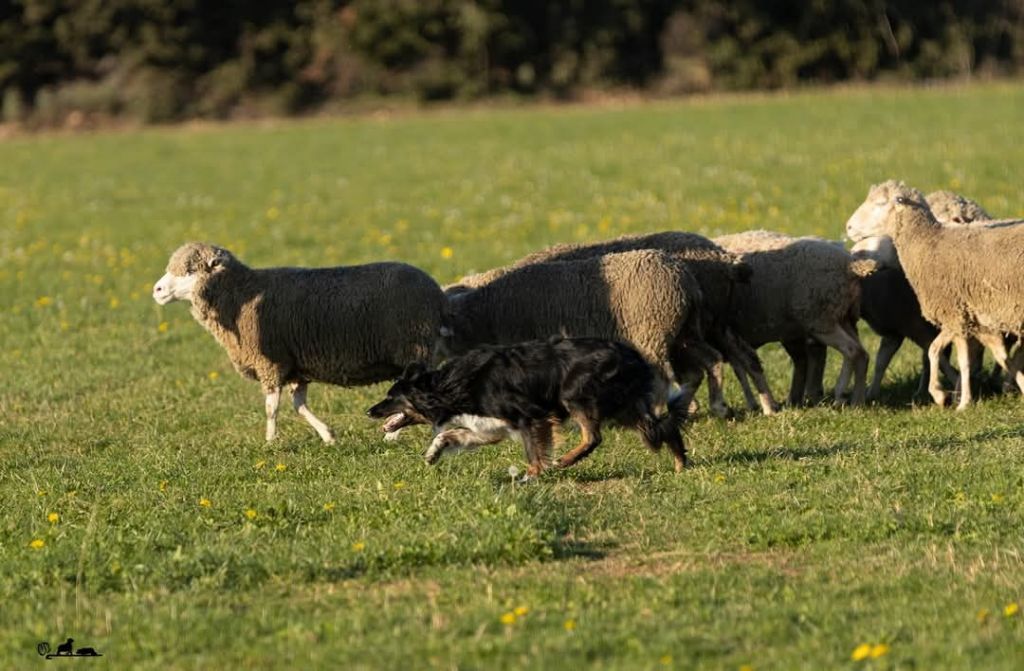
<point x="863" y="267"/>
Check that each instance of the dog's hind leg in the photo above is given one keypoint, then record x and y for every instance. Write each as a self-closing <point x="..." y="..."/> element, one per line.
<point x="590" y="430"/>
<point x="537" y="440"/>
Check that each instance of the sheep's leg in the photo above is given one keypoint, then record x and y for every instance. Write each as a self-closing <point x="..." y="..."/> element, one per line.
<point x="886" y="350"/>
<point x="853" y="354"/>
<point x="689" y="361"/>
<point x="963" y="356"/>
<point x="797" y="350"/>
<point x="299" y="402"/>
<point x="814" y="390"/>
<point x="997" y="344"/>
<point x="1016" y="363"/>
<point x="273" y="400"/>
<point x="748" y="394"/>
<point x="740" y="352"/>
<point x="934" y="351"/>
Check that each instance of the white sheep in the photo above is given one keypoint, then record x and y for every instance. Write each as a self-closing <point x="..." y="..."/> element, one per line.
<point x="801" y="288"/>
<point x="350" y="325"/>
<point x="967" y="279"/>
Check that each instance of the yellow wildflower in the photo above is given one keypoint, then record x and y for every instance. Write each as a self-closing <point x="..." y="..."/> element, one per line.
<point x="400" y="484"/>
<point x="521" y="611"/>
<point x="43" y="301"/>
<point x="41" y="492"/>
<point x="862" y="651"/>
<point x="997" y="498"/>
<point x="329" y="506"/>
<point x="508" y="618"/>
<point x="53" y="518"/>
<point x="260" y="464"/>
<point x="447" y="252"/>
<point x="665" y="660"/>
<point x="37" y="544"/>
<point x="213" y="375"/>
<point x="250" y="513"/>
<point x="163" y="485"/>
<point x="273" y="213"/>
<point x="358" y="546"/>
<point x="1011" y="609"/>
<point x="114" y="303"/>
<point x="569" y="624"/>
<point x="719" y="478"/>
<point x="162" y="328"/>
<point x="982" y="615"/>
<point x="878" y="650"/>
<point x="205" y="502"/>
<point x="280" y="468"/>
<point x="746" y="667"/>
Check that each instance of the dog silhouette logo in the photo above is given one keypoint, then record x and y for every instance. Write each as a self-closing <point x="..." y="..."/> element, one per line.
<point x="65" y="649"/>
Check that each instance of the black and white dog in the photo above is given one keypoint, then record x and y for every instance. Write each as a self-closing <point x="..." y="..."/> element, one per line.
<point x="526" y="390"/>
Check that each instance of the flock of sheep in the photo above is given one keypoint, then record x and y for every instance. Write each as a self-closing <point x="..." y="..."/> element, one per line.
<point x="936" y="270"/>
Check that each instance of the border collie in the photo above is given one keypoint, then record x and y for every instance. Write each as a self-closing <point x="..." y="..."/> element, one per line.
<point x="526" y="390"/>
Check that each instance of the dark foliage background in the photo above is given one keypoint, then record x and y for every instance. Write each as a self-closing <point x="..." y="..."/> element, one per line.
<point x="159" y="60"/>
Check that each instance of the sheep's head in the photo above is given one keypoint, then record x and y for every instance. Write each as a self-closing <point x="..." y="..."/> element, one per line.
<point x="878" y="248"/>
<point x="951" y="208"/>
<point x="874" y="216"/>
<point x="190" y="263"/>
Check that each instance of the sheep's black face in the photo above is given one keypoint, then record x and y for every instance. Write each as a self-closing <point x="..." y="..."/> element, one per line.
<point x="190" y="262"/>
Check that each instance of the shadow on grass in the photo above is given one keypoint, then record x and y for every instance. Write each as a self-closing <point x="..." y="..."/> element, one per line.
<point x="779" y="453"/>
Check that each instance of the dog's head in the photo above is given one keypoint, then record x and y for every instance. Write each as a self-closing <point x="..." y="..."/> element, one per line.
<point x="403" y="406"/>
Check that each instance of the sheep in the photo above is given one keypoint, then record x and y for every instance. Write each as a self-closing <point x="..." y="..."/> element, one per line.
<point x="349" y="325"/>
<point x="885" y="302"/>
<point x="979" y="292"/>
<point x="646" y="298"/>
<point x="890" y="307"/>
<point x="715" y="270"/>
<point x="802" y="288"/>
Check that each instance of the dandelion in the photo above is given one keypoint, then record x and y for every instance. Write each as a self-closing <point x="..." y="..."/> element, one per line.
<point x="273" y="213"/>
<point x="358" y="546"/>
<point x="41" y="492"/>
<point x="1010" y="609"/>
<point x="53" y="518"/>
<point x="213" y="375"/>
<point x="205" y="502"/>
<point x="997" y="498"/>
<point x="878" y="650"/>
<point x="569" y="625"/>
<point x="260" y="464"/>
<point x="114" y="303"/>
<point x="719" y="478"/>
<point x="746" y="667"/>
<point x="447" y="252"/>
<point x="521" y="611"/>
<point x="163" y="327"/>
<point x="862" y="651"/>
<point x="44" y="301"/>
<point x="508" y="618"/>
<point x="982" y="615"/>
<point x="665" y="660"/>
<point x="329" y="506"/>
<point x="250" y="513"/>
<point x="280" y="468"/>
<point x="400" y="484"/>
<point x="37" y="544"/>
<point x="163" y="485"/>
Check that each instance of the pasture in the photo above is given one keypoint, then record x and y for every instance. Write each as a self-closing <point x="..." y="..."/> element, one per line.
<point x="144" y="515"/>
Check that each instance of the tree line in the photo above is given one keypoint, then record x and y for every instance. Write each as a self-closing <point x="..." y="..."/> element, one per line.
<point x="160" y="60"/>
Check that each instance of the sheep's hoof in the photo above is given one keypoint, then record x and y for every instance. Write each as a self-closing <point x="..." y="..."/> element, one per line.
<point x="328" y="439"/>
<point x="940" y="397"/>
<point x="722" y="411"/>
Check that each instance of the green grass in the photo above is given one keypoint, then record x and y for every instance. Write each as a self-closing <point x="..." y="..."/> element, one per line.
<point x="793" y="540"/>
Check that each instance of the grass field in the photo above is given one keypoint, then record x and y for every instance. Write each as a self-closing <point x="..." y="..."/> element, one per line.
<point x="143" y="514"/>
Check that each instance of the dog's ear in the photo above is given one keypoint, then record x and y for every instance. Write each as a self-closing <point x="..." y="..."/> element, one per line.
<point x="414" y="370"/>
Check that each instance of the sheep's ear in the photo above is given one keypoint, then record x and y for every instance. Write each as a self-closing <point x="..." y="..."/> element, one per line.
<point x="217" y="259"/>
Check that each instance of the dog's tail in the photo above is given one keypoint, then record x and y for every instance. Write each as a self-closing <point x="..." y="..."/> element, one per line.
<point x="658" y="430"/>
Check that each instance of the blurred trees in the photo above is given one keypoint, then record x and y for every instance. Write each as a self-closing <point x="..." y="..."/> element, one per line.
<point x="159" y="60"/>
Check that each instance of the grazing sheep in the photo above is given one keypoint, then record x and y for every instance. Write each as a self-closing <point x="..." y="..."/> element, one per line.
<point x="802" y="288"/>
<point x="646" y="298"/>
<point x="350" y="325"/>
<point x="952" y="209"/>
<point x="979" y="292"/>
<point x="716" y="272"/>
